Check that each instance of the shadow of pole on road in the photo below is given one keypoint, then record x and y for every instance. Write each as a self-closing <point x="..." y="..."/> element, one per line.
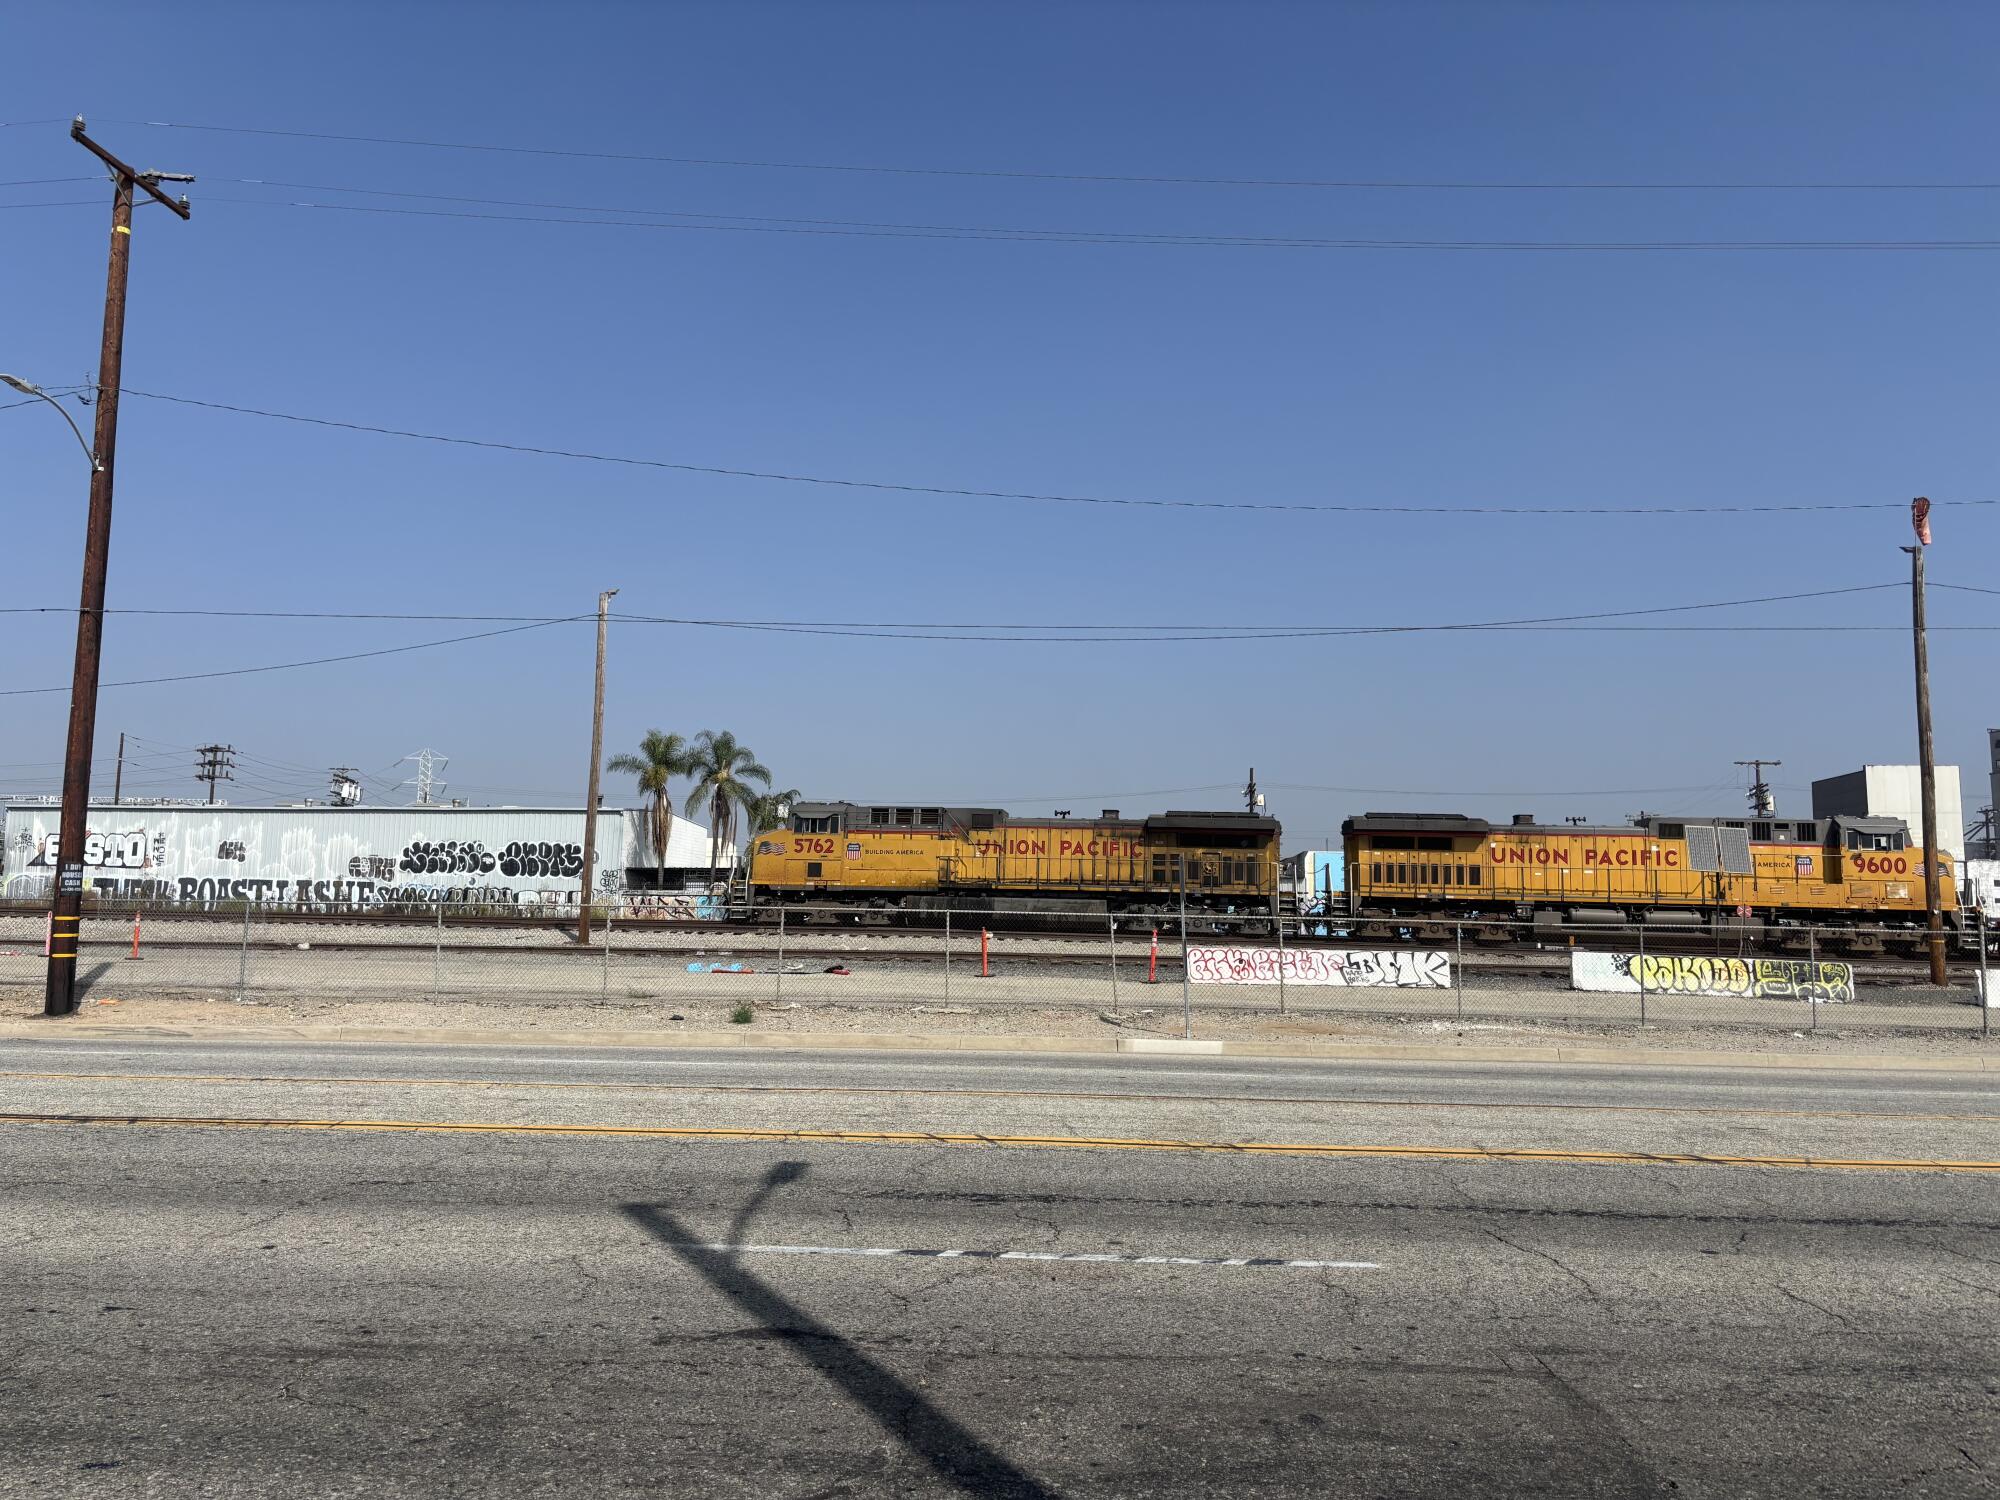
<point x="952" y="1452"/>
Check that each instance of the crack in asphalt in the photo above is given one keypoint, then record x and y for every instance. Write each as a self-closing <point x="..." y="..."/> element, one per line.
<point x="1581" y="1280"/>
<point x="1826" y="1312"/>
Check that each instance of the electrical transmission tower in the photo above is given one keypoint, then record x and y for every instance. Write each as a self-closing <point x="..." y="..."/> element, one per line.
<point x="426" y="781"/>
<point x="1761" y="800"/>
<point x="216" y="763"/>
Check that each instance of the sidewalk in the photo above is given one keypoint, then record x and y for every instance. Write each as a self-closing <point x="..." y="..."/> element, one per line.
<point x="966" y="1028"/>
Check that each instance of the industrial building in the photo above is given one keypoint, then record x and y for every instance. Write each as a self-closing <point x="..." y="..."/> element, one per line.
<point x="1896" y="792"/>
<point x="350" y="856"/>
<point x="1986" y="827"/>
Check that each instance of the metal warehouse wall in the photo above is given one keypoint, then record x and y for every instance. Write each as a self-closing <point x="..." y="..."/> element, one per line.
<point x="320" y="855"/>
<point x="687" y="844"/>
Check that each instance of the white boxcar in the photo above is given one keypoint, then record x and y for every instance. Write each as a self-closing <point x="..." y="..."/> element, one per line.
<point x="319" y="856"/>
<point x="1979" y="886"/>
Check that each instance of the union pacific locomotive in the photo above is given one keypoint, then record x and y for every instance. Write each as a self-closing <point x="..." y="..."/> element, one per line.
<point x="1671" y="870"/>
<point x="980" y="859"/>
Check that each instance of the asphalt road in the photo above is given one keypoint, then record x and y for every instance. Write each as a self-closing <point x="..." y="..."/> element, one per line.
<point x="611" y="1306"/>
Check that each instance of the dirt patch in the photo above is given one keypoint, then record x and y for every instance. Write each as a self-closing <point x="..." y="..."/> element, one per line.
<point x="20" y="1014"/>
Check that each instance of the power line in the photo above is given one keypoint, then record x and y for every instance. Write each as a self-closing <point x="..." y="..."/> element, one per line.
<point x="892" y="631"/>
<point x="1114" y="237"/>
<point x="852" y="627"/>
<point x="1219" y="632"/>
<point x="53" y="390"/>
<point x="1085" y="633"/>
<point x="1494" y="629"/>
<point x="286" y="666"/>
<point x="987" y="494"/>
<point x="285" y="614"/>
<point x="1178" y="179"/>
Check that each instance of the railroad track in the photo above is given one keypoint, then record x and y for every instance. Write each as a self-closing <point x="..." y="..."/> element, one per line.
<point x="756" y="938"/>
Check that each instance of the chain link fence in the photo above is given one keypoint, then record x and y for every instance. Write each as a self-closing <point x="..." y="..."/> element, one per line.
<point x="1796" y="978"/>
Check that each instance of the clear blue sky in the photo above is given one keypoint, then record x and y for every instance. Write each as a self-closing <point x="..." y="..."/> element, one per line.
<point x="1447" y="378"/>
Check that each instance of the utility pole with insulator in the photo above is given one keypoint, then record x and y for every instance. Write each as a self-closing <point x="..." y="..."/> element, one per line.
<point x="1920" y="512"/>
<point x="596" y="765"/>
<point x="66" y="918"/>
<point x="1761" y="801"/>
<point x="217" y="763"/>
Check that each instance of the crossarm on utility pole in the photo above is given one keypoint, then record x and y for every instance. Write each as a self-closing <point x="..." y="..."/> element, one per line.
<point x="147" y="182"/>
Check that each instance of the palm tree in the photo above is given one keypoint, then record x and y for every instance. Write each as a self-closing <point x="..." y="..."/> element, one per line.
<point x="722" y="772"/>
<point x="765" y="813"/>
<point x="770" y="811"/>
<point x="661" y="758"/>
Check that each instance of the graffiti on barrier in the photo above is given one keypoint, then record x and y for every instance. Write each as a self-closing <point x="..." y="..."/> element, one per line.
<point x="1699" y="974"/>
<point x="1351" y="967"/>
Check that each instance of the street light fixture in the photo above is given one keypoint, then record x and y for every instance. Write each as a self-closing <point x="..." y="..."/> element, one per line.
<point x="29" y="388"/>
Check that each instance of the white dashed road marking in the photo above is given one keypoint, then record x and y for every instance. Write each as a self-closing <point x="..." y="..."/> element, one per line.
<point x="1039" y="1255"/>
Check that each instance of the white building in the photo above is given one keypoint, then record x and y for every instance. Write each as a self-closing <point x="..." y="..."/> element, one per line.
<point x="349" y="856"/>
<point x="1896" y="792"/>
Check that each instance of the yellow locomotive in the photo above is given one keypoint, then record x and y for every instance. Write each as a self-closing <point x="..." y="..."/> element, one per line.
<point x="980" y="859"/>
<point x="1688" y="870"/>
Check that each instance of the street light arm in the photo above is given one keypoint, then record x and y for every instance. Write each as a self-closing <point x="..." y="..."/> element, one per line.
<point x="29" y="388"/>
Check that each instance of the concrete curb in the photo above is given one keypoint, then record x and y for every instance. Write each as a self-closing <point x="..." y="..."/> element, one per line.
<point x="1973" y="1062"/>
<point x="1169" y="1044"/>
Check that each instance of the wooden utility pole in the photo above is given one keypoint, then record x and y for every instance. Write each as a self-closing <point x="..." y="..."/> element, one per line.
<point x="596" y="768"/>
<point x="118" y="776"/>
<point x="66" y="917"/>
<point x="1926" y="757"/>
<point x="1761" y="800"/>
<point x="217" y="763"/>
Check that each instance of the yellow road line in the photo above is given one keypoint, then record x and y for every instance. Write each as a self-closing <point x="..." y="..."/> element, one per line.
<point x="969" y="1138"/>
<point x="847" y="1089"/>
